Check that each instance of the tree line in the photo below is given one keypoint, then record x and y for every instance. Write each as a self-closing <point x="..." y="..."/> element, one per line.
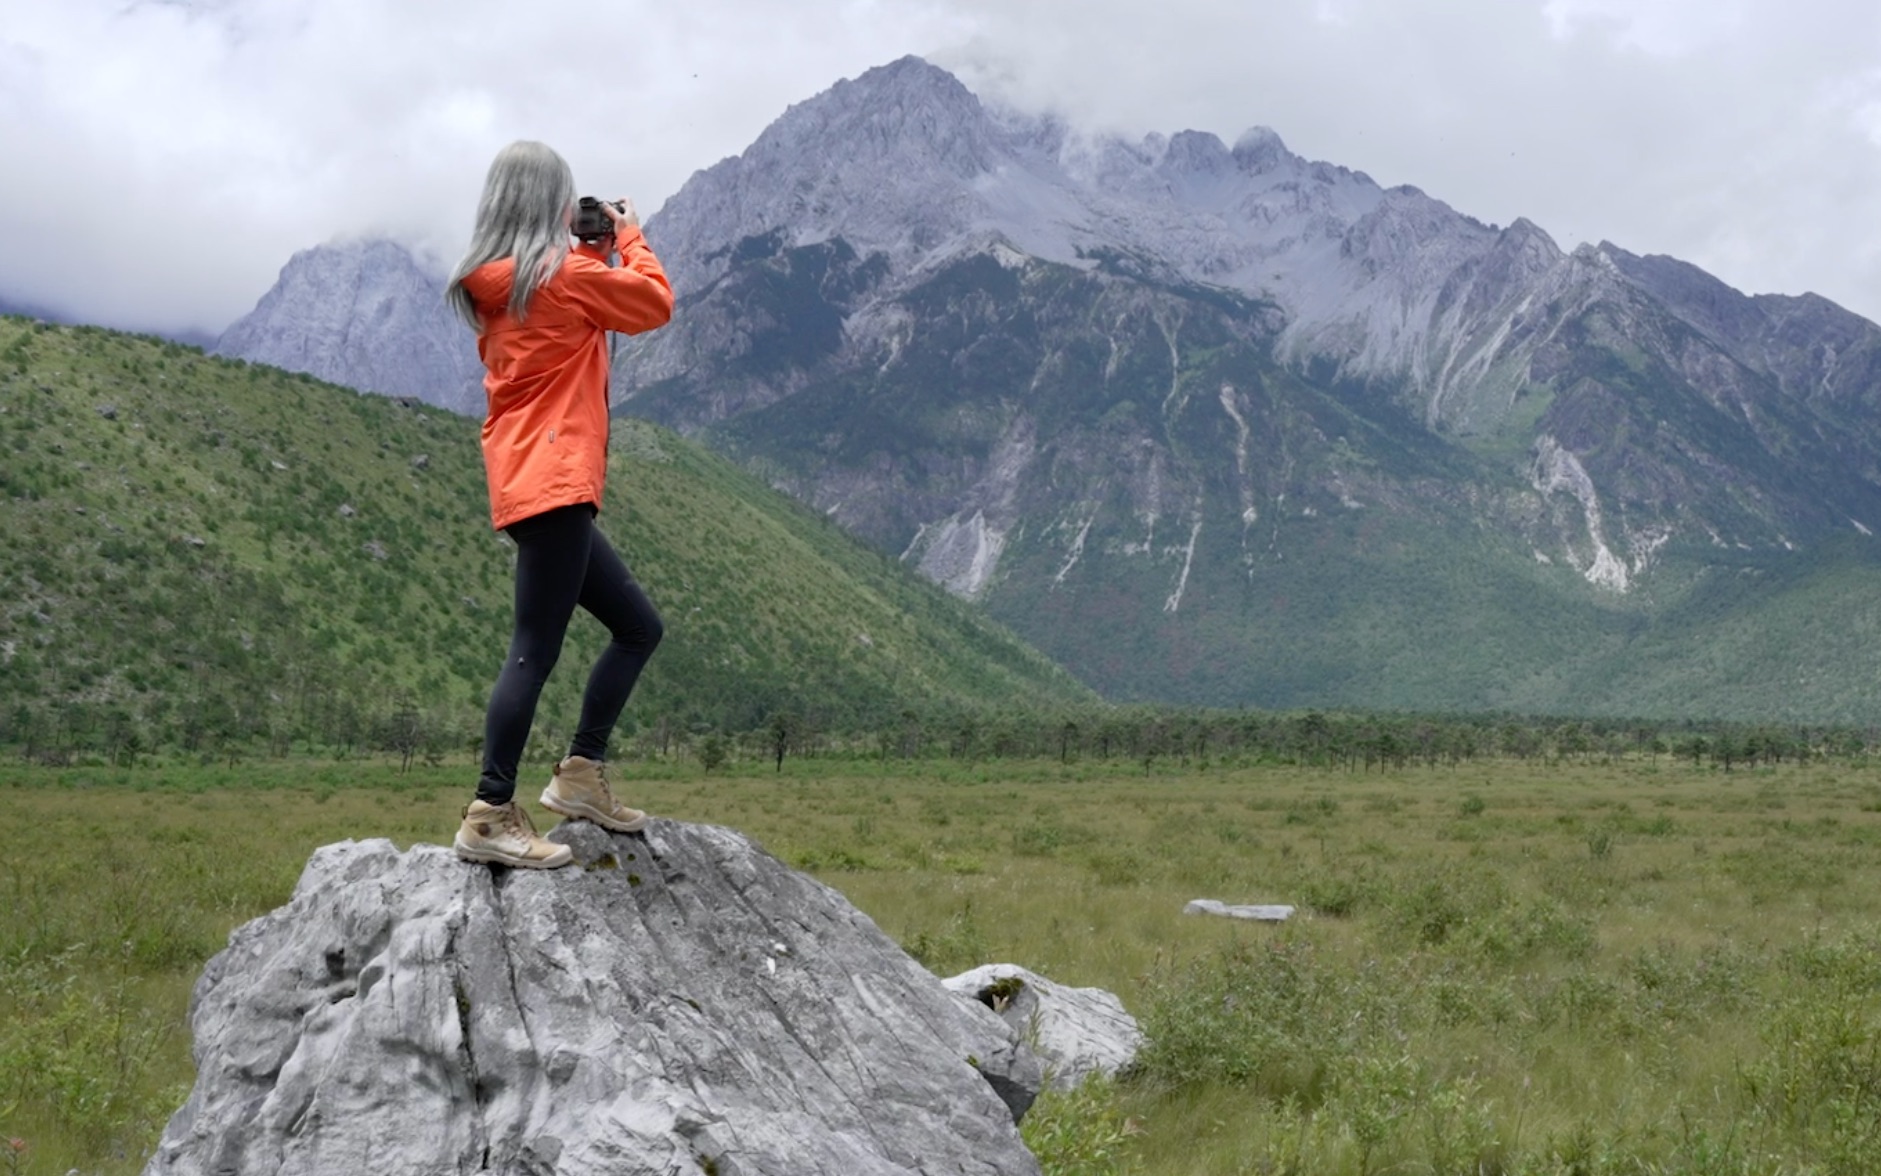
<point x="321" y="721"/>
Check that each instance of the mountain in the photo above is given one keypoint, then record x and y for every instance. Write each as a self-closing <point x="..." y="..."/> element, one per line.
<point x="368" y="315"/>
<point x="1217" y="424"/>
<point x="201" y="549"/>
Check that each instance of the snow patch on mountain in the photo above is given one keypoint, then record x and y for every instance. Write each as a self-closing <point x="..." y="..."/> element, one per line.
<point x="1249" y="513"/>
<point x="1077" y="550"/>
<point x="1174" y="601"/>
<point x="1643" y="545"/>
<point x="960" y="554"/>
<point x="1557" y="469"/>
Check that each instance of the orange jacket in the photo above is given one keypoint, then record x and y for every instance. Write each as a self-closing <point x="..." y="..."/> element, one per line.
<point x="545" y="439"/>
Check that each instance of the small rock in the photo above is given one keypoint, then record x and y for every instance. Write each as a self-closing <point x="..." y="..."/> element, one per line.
<point x="347" y="511"/>
<point x="1260" y="914"/>
<point x="279" y="465"/>
<point x="421" y="462"/>
<point x="375" y="549"/>
<point x="1076" y="1032"/>
<point x="108" y="411"/>
<point x="195" y="540"/>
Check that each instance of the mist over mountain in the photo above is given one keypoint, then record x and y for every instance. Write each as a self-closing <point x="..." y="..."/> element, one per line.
<point x="1215" y="423"/>
<point x="30" y="310"/>
<point x="21" y="309"/>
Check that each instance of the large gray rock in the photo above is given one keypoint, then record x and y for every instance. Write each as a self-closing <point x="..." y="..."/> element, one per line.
<point x="1077" y="1032"/>
<point x="682" y="1003"/>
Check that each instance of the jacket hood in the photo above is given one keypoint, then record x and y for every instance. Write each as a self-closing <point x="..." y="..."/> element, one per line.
<point x="490" y="283"/>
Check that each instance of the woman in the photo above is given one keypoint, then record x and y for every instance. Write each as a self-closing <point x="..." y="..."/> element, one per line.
<point x="542" y="312"/>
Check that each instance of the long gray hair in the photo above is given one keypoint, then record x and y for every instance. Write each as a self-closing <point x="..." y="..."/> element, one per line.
<point x="527" y="198"/>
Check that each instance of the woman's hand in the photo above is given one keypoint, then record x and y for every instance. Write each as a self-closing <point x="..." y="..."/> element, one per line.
<point x="624" y="215"/>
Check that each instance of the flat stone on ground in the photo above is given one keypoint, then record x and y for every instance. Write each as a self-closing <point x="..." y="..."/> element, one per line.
<point x="1271" y="913"/>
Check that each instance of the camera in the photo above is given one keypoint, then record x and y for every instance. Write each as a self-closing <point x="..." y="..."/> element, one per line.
<point x="592" y="224"/>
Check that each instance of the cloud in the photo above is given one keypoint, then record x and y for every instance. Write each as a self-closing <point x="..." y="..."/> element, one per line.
<point x="165" y="159"/>
<point x="1738" y="134"/>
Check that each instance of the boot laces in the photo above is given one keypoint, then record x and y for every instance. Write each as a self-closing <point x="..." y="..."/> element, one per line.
<point x="607" y="790"/>
<point x="518" y="821"/>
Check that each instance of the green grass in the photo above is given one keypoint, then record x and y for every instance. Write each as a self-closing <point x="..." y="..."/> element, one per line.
<point x="1627" y="967"/>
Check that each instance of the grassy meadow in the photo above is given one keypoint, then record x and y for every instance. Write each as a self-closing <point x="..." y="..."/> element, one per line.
<point x="1627" y="965"/>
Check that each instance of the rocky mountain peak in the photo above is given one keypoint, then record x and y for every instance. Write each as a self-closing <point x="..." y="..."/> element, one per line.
<point x="908" y="78"/>
<point x="1528" y="233"/>
<point x="1406" y="225"/>
<point x="1524" y="249"/>
<point x="1261" y="149"/>
<point x="1192" y="152"/>
<point x="366" y="313"/>
<point x="885" y="160"/>
<point x="907" y="109"/>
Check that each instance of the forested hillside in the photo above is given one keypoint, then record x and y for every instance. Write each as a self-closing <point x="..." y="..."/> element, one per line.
<point x="205" y="553"/>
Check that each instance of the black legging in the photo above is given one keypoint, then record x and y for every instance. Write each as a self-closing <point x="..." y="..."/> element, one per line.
<point x="563" y="559"/>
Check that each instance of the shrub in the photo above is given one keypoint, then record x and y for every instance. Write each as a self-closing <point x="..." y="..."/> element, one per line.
<point x="77" y="1049"/>
<point x="1115" y="867"/>
<point x="956" y="946"/>
<point x="1268" y="1016"/>
<point x="1336" y="893"/>
<point x="712" y="752"/>
<point x="1079" y="1132"/>
<point x="1038" y="839"/>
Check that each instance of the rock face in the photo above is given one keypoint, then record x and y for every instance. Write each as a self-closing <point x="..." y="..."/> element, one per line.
<point x="365" y="314"/>
<point x="972" y="261"/>
<point x="1077" y="1032"/>
<point x="681" y="1003"/>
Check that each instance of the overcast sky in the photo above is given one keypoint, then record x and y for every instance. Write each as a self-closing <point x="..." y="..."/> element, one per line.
<point x="161" y="159"/>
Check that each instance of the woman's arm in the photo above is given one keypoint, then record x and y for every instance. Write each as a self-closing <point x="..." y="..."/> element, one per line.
<point x="633" y="297"/>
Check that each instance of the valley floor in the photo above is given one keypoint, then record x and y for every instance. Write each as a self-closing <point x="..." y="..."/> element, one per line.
<point x="1626" y="966"/>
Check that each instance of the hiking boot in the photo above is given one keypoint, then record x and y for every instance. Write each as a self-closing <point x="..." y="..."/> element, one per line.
<point x="579" y="789"/>
<point x="503" y="834"/>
